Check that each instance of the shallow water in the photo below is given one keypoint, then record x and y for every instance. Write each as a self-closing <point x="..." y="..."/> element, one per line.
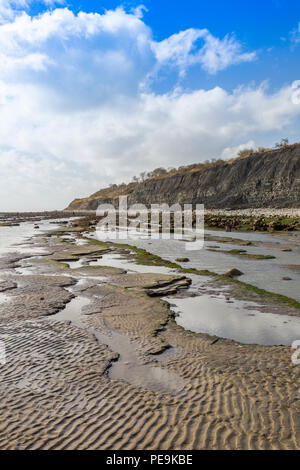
<point x="239" y="320"/>
<point x="3" y="298"/>
<point x="201" y="314"/>
<point x="26" y="270"/>
<point x="72" y="311"/>
<point x="78" y="264"/>
<point x="266" y="273"/>
<point x="117" y="261"/>
<point x="128" y="367"/>
<point x="14" y="239"/>
<point x="252" y="236"/>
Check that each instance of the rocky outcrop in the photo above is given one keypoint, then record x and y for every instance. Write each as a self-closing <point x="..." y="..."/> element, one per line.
<point x="104" y="196"/>
<point x="266" y="179"/>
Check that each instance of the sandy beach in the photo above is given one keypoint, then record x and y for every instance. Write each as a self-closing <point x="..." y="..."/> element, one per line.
<point x="95" y="360"/>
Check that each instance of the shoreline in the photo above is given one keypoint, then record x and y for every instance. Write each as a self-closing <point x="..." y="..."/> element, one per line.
<point x="255" y="211"/>
<point x="80" y="392"/>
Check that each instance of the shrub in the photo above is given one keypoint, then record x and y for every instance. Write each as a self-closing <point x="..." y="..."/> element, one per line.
<point x="245" y="153"/>
<point x="282" y="143"/>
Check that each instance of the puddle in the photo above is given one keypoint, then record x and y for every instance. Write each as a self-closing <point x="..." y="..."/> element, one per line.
<point x="14" y="238"/>
<point x="251" y="236"/>
<point x="80" y="241"/>
<point x="128" y="367"/>
<point x="4" y="298"/>
<point x="72" y="311"/>
<point x="204" y="314"/>
<point x="266" y="273"/>
<point x="78" y="264"/>
<point x="25" y="270"/>
<point x="117" y="261"/>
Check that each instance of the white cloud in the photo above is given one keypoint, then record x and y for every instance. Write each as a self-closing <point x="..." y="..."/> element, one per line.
<point x="90" y="57"/>
<point x="139" y="11"/>
<point x="9" y="9"/>
<point x="231" y="152"/>
<point x="295" y="35"/>
<point x="54" y="156"/>
<point x="74" y="118"/>
<point x="214" y="54"/>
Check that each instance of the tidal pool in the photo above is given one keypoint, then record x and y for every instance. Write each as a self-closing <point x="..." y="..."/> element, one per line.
<point x="14" y="238"/>
<point x="117" y="261"/>
<point x="238" y="320"/>
<point x="128" y="366"/>
<point x="264" y="273"/>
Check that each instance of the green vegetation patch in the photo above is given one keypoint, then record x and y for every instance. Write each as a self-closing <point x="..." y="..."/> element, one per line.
<point x="236" y="252"/>
<point x="143" y="257"/>
<point x="231" y="240"/>
<point x="247" y="288"/>
<point x="58" y="264"/>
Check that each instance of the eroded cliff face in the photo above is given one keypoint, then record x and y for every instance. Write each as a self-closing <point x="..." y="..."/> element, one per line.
<point x="270" y="179"/>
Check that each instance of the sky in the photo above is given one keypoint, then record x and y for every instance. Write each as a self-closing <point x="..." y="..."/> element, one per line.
<point x="93" y="93"/>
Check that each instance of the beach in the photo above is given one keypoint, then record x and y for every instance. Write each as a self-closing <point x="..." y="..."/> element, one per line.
<point x="98" y="354"/>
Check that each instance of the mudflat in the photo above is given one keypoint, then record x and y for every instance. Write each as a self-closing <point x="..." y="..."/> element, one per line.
<point x="94" y="361"/>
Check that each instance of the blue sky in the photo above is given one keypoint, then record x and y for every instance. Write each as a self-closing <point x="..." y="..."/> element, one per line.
<point x="92" y="93"/>
<point x="262" y="26"/>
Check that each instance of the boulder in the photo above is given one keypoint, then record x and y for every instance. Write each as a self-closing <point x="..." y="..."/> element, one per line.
<point x="233" y="272"/>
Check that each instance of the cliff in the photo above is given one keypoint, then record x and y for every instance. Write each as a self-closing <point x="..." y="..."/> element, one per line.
<point x="264" y="179"/>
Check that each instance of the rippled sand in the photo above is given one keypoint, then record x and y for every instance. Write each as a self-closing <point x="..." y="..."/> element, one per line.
<point x="61" y="387"/>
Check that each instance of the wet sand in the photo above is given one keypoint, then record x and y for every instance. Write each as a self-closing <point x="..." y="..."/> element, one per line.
<point x="94" y="362"/>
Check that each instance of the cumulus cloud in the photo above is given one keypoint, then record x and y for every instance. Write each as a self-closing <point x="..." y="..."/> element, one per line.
<point x="231" y="152"/>
<point x="214" y="54"/>
<point x="68" y="154"/>
<point x="75" y="115"/>
<point x="83" y="59"/>
<point x="103" y="55"/>
<point x="9" y="9"/>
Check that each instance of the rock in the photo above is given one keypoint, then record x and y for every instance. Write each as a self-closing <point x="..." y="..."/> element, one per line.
<point x="270" y="179"/>
<point x="233" y="272"/>
<point x="275" y="225"/>
<point x="7" y="285"/>
<point x="182" y="260"/>
<point x="215" y="341"/>
<point x="169" y="288"/>
<point x="259" y="224"/>
<point x="6" y="224"/>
